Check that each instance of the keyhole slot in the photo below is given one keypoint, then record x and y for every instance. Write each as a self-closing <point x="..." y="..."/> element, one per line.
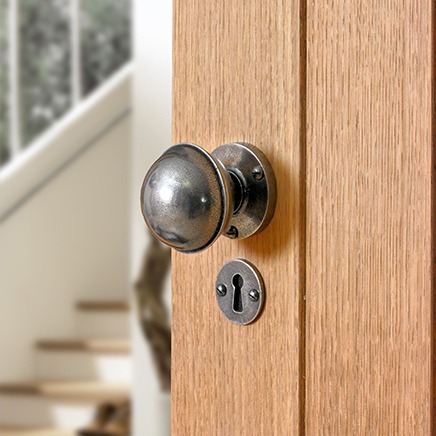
<point x="237" y="282"/>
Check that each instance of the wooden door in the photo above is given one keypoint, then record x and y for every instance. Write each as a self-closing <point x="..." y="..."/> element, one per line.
<point x="338" y="95"/>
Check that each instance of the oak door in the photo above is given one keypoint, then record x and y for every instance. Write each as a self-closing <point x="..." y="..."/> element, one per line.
<point x="338" y="95"/>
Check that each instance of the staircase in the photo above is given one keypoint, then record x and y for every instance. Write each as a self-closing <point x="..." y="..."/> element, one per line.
<point x="72" y="376"/>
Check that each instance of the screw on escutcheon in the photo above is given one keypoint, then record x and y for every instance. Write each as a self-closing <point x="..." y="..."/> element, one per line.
<point x="221" y="290"/>
<point x="257" y="173"/>
<point x="253" y="295"/>
<point x="232" y="232"/>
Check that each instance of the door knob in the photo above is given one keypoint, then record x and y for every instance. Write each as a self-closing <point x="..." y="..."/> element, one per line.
<point x="190" y="197"/>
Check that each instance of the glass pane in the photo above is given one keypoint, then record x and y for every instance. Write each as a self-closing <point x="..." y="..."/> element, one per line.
<point x="4" y="98"/>
<point x="105" y="34"/>
<point x="45" y="64"/>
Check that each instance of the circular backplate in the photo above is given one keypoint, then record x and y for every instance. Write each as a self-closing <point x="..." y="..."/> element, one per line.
<point x="256" y="175"/>
<point x="240" y="291"/>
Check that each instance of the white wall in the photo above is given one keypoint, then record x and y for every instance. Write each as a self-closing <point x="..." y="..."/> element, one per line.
<point x="70" y="240"/>
<point x="151" y="136"/>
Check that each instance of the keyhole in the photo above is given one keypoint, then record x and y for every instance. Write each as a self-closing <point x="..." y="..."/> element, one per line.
<point x="238" y="282"/>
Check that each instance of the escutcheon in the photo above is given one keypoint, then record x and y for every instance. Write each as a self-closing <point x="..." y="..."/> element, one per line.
<point x="240" y="291"/>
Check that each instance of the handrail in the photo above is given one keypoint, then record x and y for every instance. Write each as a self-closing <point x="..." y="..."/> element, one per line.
<point x="64" y="142"/>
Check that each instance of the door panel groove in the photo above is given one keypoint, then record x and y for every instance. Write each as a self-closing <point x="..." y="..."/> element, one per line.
<point x="303" y="205"/>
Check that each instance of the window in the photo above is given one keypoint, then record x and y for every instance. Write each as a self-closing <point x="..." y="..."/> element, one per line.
<point x="54" y="53"/>
<point x="4" y="107"/>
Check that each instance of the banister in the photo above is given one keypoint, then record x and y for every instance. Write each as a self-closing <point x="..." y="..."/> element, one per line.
<point x="66" y="140"/>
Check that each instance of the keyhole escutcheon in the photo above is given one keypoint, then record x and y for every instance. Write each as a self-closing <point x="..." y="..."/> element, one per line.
<point x="239" y="291"/>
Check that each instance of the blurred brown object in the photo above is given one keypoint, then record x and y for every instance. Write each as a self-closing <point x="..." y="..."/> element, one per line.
<point x="119" y="423"/>
<point x="151" y="309"/>
<point x="101" y="417"/>
<point x="111" y="419"/>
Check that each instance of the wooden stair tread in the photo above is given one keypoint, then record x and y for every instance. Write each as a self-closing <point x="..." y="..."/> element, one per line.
<point x="103" y="305"/>
<point x="106" y="346"/>
<point x="21" y="431"/>
<point x="82" y="391"/>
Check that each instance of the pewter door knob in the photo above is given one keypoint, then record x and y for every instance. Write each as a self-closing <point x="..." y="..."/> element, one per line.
<point x="190" y="197"/>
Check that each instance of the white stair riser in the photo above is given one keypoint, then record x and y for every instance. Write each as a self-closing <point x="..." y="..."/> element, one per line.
<point x="21" y="410"/>
<point x="72" y="365"/>
<point x="99" y="325"/>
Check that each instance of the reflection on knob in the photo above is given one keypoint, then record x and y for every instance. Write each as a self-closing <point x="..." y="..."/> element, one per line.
<point x="190" y="197"/>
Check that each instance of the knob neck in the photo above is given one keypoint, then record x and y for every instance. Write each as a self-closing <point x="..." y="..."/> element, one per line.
<point x="237" y="191"/>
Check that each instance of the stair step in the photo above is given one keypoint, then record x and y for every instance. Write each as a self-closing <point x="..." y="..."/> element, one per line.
<point x="103" y="324"/>
<point x="76" y="391"/>
<point x="100" y="346"/>
<point x="66" y="405"/>
<point x="77" y="364"/>
<point x="40" y="412"/>
<point x="104" y="305"/>
<point x="32" y="431"/>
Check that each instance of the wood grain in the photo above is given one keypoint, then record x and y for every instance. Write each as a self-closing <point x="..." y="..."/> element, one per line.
<point x="237" y="77"/>
<point x="369" y="306"/>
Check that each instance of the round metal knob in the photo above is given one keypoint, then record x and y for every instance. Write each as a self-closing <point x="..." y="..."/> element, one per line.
<point x="190" y="197"/>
